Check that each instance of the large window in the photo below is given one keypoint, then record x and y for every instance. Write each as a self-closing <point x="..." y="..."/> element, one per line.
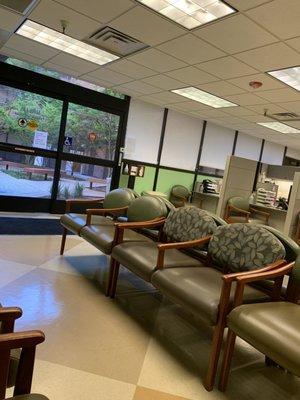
<point x="26" y="175"/>
<point x="91" y="132"/>
<point x="78" y="180"/>
<point x="29" y="119"/>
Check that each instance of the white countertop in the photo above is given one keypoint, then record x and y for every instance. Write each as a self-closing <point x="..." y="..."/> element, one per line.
<point x="269" y="208"/>
<point x="215" y="195"/>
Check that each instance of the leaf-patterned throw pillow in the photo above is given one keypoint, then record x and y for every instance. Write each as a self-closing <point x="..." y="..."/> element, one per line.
<point x="244" y="247"/>
<point x="188" y="223"/>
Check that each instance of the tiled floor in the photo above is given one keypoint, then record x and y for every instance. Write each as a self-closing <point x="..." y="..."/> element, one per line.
<point x="136" y="347"/>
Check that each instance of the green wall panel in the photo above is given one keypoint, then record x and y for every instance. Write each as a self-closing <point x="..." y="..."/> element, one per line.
<point x="169" y="178"/>
<point x="145" y="183"/>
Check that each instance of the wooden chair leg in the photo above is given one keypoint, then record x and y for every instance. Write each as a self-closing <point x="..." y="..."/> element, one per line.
<point x="114" y="280"/>
<point x="63" y="241"/>
<point x="110" y="277"/>
<point x="228" y="353"/>
<point x="214" y="356"/>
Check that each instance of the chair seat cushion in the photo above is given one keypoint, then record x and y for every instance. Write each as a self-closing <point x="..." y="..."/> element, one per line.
<point x="102" y="236"/>
<point x="141" y="258"/>
<point x="198" y="290"/>
<point x="32" y="396"/>
<point x="75" y="222"/>
<point x="272" y="328"/>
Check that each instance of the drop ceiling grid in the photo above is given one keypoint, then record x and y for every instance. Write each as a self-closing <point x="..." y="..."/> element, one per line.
<point x="150" y="87"/>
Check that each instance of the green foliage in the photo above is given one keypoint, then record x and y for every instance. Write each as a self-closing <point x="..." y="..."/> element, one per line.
<point x="78" y="190"/>
<point x="66" y="192"/>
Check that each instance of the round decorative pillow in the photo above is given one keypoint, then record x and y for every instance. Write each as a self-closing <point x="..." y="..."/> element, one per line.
<point x="244" y="247"/>
<point x="188" y="223"/>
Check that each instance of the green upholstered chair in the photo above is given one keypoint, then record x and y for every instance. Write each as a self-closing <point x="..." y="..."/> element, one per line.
<point x="104" y="237"/>
<point x="179" y="195"/>
<point x="184" y="228"/>
<point x="238" y="209"/>
<point x="19" y="372"/>
<point x="273" y="328"/>
<point x="114" y="203"/>
<point x="207" y="291"/>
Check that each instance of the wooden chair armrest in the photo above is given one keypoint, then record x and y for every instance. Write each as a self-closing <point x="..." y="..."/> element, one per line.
<point x="17" y="340"/>
<point x="8" y="315"/>
<point x="70" y="202"/>
<point x="143" y="224"/>
<point x="102" y="211"/>
<point x="260" y="212"/>
<point x="235" y="275"/>
<point x="162" y="247"/>
<point x="276" y="274"/>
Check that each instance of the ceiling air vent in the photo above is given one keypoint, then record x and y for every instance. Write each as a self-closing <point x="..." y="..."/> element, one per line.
<point x="115" y="42"/>
<point x="19" y="6"/>
<point x="283" y="116"/>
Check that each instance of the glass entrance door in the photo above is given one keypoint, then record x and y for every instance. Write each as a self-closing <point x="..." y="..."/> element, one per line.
<point x="52" y="149"/>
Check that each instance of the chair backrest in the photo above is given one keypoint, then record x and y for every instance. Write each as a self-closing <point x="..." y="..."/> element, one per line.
<point x="145" y="208"/>
<point x="118" y="198"/>
<point x="239" y="202"/>
<point x="244" y="247"/>
<point x="136" y="194"/>
<point x="218" y="220"/>
<point x="292" y="250"/>
<point x="188" y="223"/>
<point x="180" y="191"/>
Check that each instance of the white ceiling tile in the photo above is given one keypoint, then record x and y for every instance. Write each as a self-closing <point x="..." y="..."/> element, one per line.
<point x="212" y="113"/>
<point x="268" y="58"/>
<point x="9" y="20"/>
<point x="245" y="99"/>
<point x="191" y="76"/>
<point x="50" y="13"/>
<point x="167" y="97"/>
<point x="190" y="49"/>
<point x="280" y="95"/>
<point x="110" y="76"/>
<point x="147" y="26"/>
<point x="157" y="60"/>
<point x="163" y="82"/>
<point x="239" y="111"/>
<point x="226" y="68"/>
<point x="257" y="118"/>
<point x="131" y="69"/>
<point x="293" y="106"/>
<point x="236" y="34"/>
<point x="191" y="105"/>
<point x="280" y="17"/>
<point x="130" y="92"/>
<point x="28" y="46"/>
<point x="232" y="120"/>
<point x="21" y="56"/>
<point x="151" y="100"/>
<point x="243" y="5"/>
<point x="75" y="63"/>
<point x="61" y="69"/>
<point x="295" y="43"/>
<point x="141" y="87"/>
<point x="96" y="81"/>
<point x="272" y="108"/>
<point x="221" y="88"/>
<point x="102" y="11"/>
<point x="268" y="82"/>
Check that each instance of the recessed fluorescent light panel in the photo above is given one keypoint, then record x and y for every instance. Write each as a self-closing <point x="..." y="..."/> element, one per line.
<point x="279" y="127"/>
<point x="203" y="97"/>
<point x="190" y="13"/>
<point x="289" y="76"/>
<point x="65" y="43"/>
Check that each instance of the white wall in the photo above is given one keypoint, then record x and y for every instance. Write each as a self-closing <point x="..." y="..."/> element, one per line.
<point x="217" y="146"/>
<point x="272" y="153"/>
<point x="143" y="131"/>
<point x="248" y="146"/>
<point x="182" y="140"/>
<point x="293" y="153"/>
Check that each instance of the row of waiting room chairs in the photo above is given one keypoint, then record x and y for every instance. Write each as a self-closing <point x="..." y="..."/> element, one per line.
<point x="202" y="263"/>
